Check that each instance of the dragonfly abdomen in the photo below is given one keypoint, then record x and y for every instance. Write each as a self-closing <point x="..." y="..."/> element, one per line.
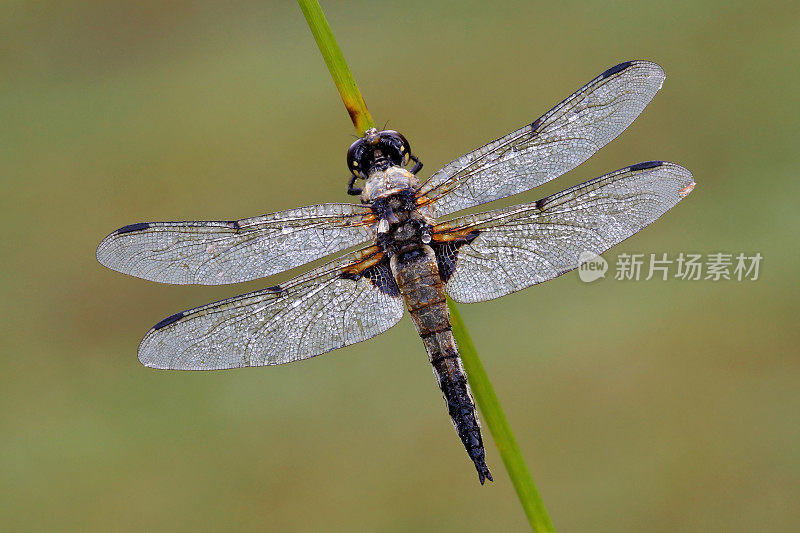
<point x="418" y="279"/>
<point x="449" y="372"/>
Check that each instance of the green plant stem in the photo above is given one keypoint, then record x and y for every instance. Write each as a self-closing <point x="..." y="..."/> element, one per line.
<point x="337" y="66"/>
<point x="479" y="382"/>
<point x="495" y="418"/>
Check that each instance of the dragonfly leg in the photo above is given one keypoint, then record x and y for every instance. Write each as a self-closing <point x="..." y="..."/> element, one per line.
<point x="353" y="191"/>
<point x="418" y="166"/>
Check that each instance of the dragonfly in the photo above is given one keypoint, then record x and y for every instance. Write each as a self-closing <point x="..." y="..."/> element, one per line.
<point x="409" y="256"/>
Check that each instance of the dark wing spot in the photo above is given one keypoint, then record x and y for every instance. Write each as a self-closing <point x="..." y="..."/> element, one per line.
<point x="380" y="275"/>
<point x="645" y="165"/>
<point x="233" y="224"/>
<point x="133" y="227"/>
<point x="277" y="289"/>
<point x="447" y="254"/>
<point x="616" y="68"/>
<point x="169" y="320"/>
<point x="535" y="124"/>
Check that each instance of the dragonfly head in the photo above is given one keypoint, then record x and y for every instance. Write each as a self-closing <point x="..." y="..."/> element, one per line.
<point x="377" y="150"/>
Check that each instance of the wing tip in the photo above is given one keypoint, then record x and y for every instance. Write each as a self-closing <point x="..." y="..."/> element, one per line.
<point x="688" y="183"/>
<point x="685" y="191"/>
<point x="145" y="361"/>
<point x="145" y="354"/>
<point x="646" y="63"/>
<point x="655" y="70"/>
<point x="104" y="257"/>
<point x="157" y="365"/>
<point x="151" y="355"/>
<point x="686" y="186"/>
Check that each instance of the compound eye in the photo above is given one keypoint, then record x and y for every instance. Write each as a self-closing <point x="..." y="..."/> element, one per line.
<point x="400" y="143"/>
<point x="353" y="155"/>
<point x="405" y="149"/>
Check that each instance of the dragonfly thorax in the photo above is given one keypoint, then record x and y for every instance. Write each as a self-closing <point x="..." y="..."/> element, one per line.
<point x="389" y="182"/>
<point x="409" y="233"/>
<point x="391" y="194"/>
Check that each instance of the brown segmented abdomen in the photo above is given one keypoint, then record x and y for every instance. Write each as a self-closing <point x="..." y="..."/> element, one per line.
<point x="418" y="279"/>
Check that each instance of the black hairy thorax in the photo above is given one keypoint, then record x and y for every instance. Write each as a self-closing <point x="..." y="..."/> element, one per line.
<point x="401" y="227"/>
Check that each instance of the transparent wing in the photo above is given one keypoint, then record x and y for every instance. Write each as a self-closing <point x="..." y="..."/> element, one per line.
<point x="559" y="141"/>
<point x="215" y="253"/>
<point x="492" y="254"/>
<point x="343" y="302"/>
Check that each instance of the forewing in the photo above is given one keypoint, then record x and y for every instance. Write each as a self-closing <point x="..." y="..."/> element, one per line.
<point x="488" y="255"/>
<point x="559" y="141"/>
<point x="343" y="302"/>
<point x="215" y="253"/>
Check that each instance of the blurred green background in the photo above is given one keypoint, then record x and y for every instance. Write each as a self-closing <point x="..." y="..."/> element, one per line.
<point x="640" y="406"/>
